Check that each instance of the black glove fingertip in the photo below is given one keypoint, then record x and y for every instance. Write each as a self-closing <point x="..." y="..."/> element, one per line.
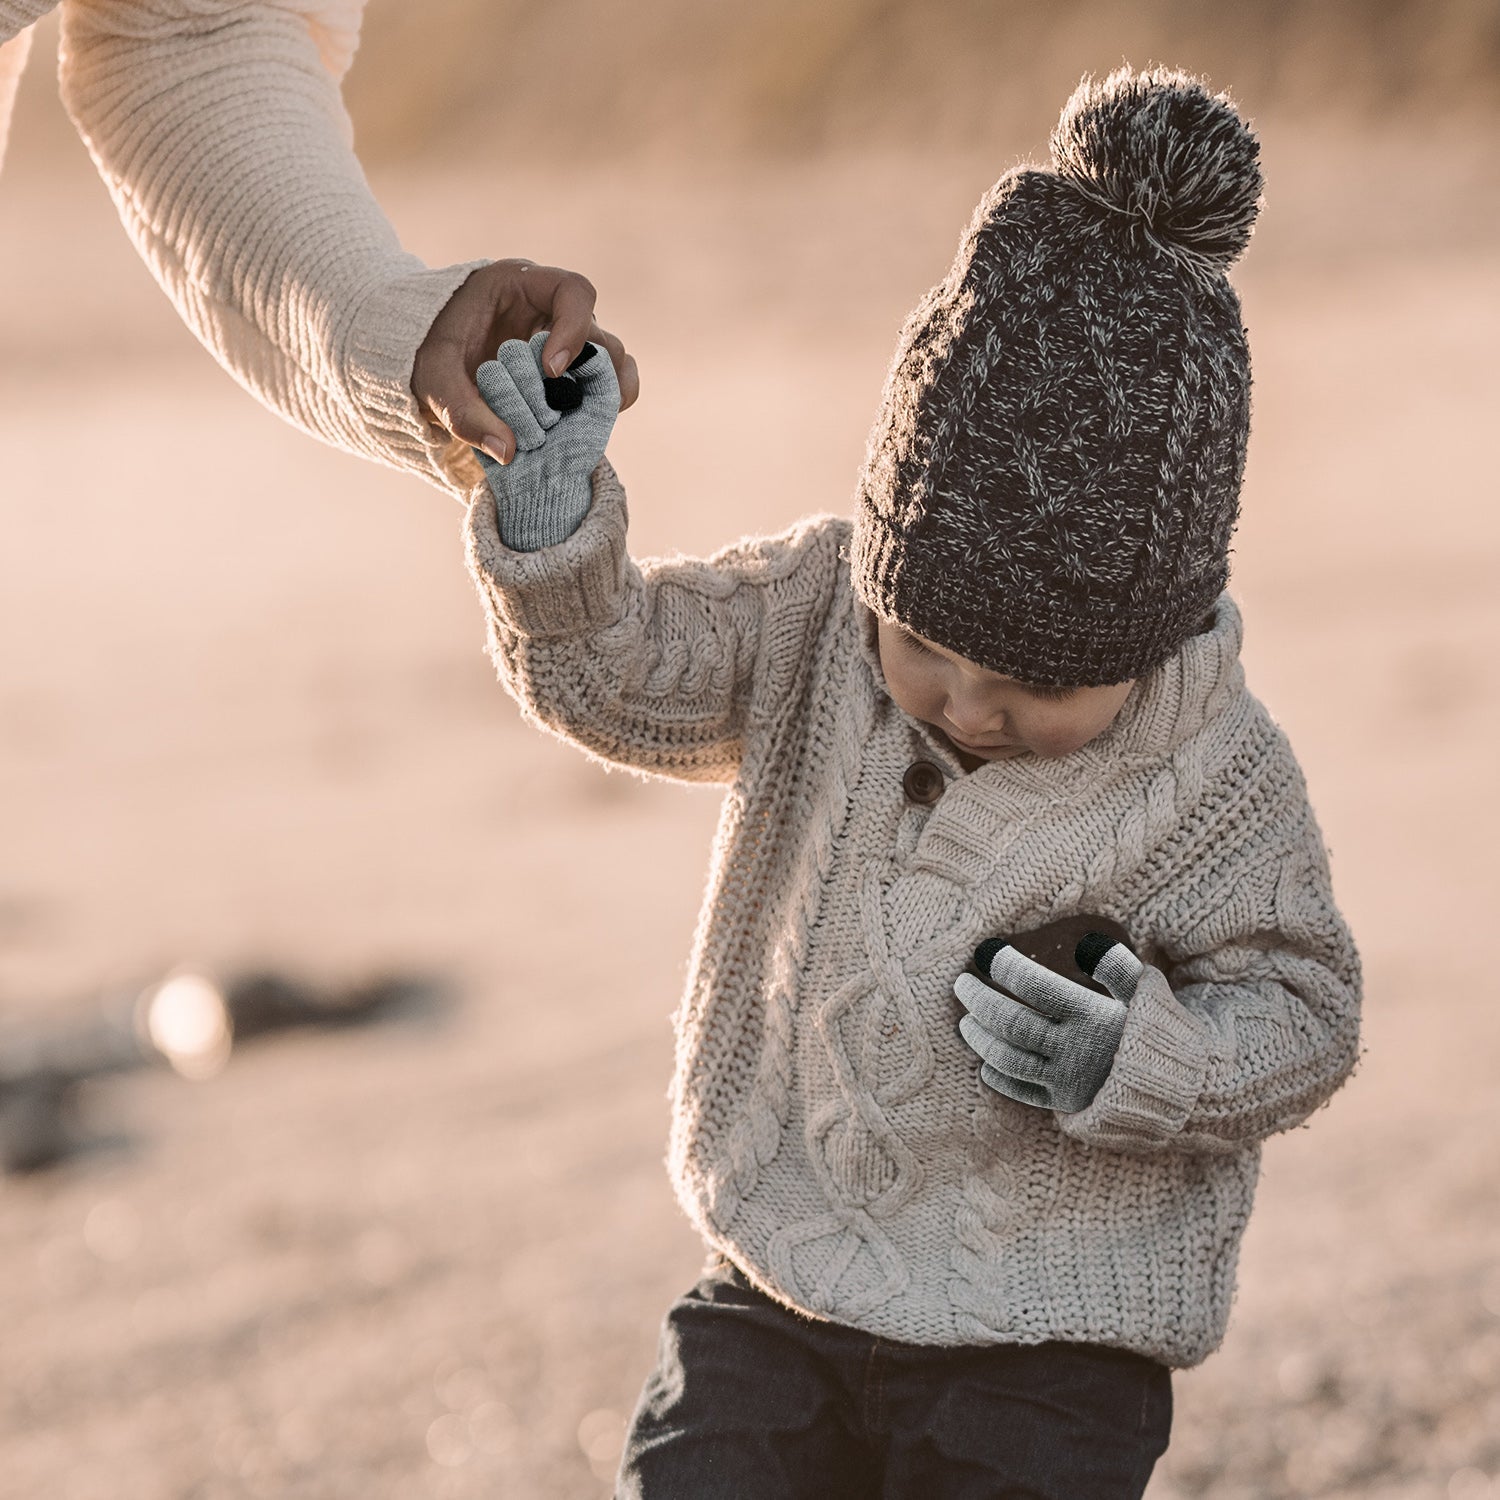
<point x="1089" y="953"/>
<point x="562" y="393"/>
<point x="984" y="954"/>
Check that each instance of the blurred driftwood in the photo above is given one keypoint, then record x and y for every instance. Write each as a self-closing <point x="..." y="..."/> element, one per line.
<point x="188" y="1021"/>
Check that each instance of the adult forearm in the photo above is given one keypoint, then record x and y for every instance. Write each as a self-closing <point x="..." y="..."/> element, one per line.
<point x="222" y="136"/>
<point x="16" y="17"/>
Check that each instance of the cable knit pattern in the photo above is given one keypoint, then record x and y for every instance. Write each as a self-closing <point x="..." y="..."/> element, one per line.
<point x="221" y="134"/>
<point x="830" y="1133"/>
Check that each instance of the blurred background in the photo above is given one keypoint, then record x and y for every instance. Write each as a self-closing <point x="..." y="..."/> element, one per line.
<point x="246" y="722"/>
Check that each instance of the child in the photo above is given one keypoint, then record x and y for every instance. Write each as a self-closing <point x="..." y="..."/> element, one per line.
<point x="960" y="1242"/>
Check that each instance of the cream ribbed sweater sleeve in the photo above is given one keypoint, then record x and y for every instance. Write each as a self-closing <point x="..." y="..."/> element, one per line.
<point x="16" y="17"/>
<point x="661" y="666"/>
<point x="1255" y="1022"/>
<point x="220" y="130"/>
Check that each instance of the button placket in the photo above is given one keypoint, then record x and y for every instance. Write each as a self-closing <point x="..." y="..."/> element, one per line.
<point x="949" y="821"/>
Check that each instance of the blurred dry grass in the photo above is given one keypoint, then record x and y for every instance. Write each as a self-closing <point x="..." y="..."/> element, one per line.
<point x="488" y="81"/>
<point x="244" y="717"/>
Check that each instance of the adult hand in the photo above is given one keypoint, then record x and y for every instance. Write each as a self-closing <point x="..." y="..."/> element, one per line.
<point x="511" y="299"/>
<point x="1043" y="1039"/>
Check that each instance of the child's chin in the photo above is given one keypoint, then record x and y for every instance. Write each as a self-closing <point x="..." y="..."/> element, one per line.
<point x="987" y="752"/>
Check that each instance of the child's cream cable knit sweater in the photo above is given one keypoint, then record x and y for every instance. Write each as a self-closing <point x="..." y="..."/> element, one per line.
<point x="222" y="135"/>
<point x="830" y="1131"/>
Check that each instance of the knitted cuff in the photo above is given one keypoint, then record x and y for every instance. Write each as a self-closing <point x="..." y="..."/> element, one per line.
<point x="1158" y="1075"/>
<point x="572" y="589"/>
<point x="536" y="519"/>
<point x="378" y="355"/>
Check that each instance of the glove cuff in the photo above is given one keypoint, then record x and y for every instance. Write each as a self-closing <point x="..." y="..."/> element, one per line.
<point x="1158" y="1075"/>
<point x="531" y="519"/>
<point x="574" y="588"/>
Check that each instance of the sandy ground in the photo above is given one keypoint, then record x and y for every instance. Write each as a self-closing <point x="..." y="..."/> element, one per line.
<point x="245" y="718"/>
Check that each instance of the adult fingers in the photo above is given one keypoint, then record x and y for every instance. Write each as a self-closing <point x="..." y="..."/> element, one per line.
<point x="626" y="373"/>
<point x="1111" y="963"/>
<point x="567" y="302"/>
<point x="1032" y="983"/>
<point x="1000" y="1054"/>
<point x="504" y="300"/>
<point x="489" y="306"/>
<point x="1003" y="1017"/>
<point x="453" y="398"/>
<point x="456" y="402"/>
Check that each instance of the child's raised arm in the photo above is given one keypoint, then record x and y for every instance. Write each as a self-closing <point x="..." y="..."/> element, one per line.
<point x="658" y="667"/>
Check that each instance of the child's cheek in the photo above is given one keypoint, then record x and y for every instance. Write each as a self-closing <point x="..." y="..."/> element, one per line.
<point x="916" y="692"/>
<point x="1052" y="746"/>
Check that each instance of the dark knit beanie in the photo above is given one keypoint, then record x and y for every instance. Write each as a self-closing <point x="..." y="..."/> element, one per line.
<point x="1054" y="475"/>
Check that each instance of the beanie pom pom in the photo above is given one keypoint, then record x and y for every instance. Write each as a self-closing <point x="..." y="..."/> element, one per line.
<point x="1173" y="161"/>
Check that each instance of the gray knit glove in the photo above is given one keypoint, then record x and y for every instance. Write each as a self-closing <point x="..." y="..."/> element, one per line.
<point x="1043" y="1039"/>
<point x="561" y="425"/>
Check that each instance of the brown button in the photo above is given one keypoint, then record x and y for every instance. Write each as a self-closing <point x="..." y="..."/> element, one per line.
<point x="923" y="783"/>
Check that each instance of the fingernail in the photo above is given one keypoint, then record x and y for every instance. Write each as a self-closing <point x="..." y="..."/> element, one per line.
<point x="559" y="361"/>
<point x="496" y="450"/>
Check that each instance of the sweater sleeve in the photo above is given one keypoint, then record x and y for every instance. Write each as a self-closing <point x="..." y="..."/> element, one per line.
<point x="660" y="667"/>
<point x="1250" y="1023"/>
<point x="17" y="15"/>
<point x="16" y="19"/>
<point x="220" y="131"/>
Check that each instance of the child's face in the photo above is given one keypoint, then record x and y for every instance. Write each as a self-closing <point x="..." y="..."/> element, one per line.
<point x="985" y="715"/>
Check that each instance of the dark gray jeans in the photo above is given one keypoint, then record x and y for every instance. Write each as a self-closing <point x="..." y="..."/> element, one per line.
<point x="750" y="1401"/>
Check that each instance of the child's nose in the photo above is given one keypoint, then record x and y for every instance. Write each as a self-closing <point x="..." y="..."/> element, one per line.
<point x="974" y="720"/>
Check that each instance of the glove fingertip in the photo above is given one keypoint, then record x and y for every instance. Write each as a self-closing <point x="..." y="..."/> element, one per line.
<point x="563" y="394"/>
<point x="1089" y="953"/>
<point x="984" y="954"/>
<point x="583" y="356"/>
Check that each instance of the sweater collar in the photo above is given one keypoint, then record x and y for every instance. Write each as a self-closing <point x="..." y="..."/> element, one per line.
<point x="1164" y="709"/>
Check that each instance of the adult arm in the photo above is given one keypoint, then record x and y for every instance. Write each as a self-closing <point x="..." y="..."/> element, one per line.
<point x="221" y="132"/>
<point x="16" y="18"/>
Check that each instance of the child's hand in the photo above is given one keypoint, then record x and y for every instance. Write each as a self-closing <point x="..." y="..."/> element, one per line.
<point x="1043" y="1039"/>
<point x="561" y="426"/>
<point x="506" y="300"/>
